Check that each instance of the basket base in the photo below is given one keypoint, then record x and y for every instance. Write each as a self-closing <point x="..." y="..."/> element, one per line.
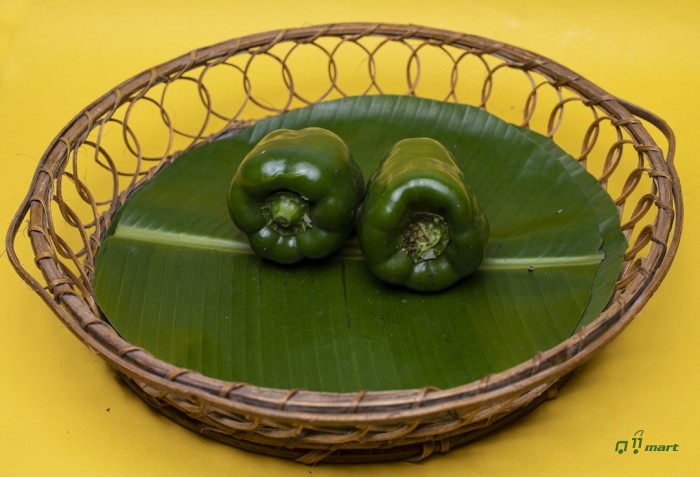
<point x="414" y="452"/>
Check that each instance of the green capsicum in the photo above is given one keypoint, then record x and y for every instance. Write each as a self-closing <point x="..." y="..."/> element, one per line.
<point x="421" y="226"/>
<point x="295" y="194"/>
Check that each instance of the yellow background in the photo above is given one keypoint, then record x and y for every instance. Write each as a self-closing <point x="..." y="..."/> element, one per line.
<point x="63" y="413"/>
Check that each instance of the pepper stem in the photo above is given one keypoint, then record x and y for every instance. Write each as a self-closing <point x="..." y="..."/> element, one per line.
<point x="286" y="213"/>
<point x="425" y="236"/>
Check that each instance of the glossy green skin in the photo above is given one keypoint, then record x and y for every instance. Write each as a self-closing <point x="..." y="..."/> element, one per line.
<point x="420" y="175"/>
<point x="313" y="163"/>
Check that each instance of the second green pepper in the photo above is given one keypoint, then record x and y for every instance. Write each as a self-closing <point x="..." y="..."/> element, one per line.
<point x="421" y="226"/>
<point x="295" y="194"/>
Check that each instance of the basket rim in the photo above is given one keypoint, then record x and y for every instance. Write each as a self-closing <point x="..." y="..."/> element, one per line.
<point x="324" y="407"/>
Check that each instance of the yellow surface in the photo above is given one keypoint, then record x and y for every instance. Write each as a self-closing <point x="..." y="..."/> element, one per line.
<point x="62" y="412"/>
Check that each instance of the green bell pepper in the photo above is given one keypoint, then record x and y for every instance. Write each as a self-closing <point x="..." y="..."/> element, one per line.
<point x="421" y="226"/>
<point x="295" y="195"/>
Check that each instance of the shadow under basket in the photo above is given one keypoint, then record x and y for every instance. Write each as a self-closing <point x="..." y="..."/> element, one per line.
<point x="135" y="129"/>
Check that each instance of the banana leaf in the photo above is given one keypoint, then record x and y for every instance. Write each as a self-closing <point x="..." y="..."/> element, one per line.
<point x="175" y="276"/>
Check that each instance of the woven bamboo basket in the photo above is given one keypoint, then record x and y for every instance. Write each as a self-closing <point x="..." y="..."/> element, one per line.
<point x="137" y="128"/>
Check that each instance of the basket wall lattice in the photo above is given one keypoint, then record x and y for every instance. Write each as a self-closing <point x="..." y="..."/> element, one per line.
<point x="130" y="133"/>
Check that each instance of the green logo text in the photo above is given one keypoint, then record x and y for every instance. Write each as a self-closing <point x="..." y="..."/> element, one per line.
<point x="622" y="446"/>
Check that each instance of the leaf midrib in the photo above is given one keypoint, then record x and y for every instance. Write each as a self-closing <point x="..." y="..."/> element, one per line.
<point x="185" y="240"/>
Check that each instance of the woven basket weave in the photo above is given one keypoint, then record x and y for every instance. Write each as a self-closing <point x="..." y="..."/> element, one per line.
<point x="130" y="133"/>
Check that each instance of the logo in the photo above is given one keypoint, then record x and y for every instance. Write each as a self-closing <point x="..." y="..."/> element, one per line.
<point x="622" y="446"/>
